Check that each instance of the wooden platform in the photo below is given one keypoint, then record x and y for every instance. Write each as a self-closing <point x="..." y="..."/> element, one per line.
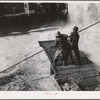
<point x="87" y="75"/>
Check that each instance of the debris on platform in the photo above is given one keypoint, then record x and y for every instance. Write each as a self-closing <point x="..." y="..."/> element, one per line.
<point x="70" y="84"/>
<point x="97" y="88"/>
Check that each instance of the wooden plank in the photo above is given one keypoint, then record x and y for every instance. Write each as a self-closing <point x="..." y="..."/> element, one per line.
<point x="83" y="75"/>
<point x="86" y="79"/>
<point x="77" y="70"/>
<point x="90" y="88"/>
<point x="48" y="43"/>
<point x="87" y="74"/>
<point x="85" y="61"/>
<point x="51" y="53"/>
<point x="53" y="67"/>
<point x="74" y="67"/>
<point x="89" y="82"/>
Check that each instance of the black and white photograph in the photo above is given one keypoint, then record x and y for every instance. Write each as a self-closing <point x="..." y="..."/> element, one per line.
<point x="49" y="46"/>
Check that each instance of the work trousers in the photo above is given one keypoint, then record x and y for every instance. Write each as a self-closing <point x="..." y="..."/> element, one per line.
<point x="76" y="50"/>
<point x="64" y="54"/>
<point x="70" y="54"/>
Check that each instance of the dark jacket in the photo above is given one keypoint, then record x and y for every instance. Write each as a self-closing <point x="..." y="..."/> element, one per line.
<point x="61" y="43"/>
<point x="74" y="38"/>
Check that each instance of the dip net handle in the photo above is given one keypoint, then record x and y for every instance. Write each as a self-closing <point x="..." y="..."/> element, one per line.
<point x="25" y="59"/>
<point x="89" y="26"/>
<point x="43" y="50"/>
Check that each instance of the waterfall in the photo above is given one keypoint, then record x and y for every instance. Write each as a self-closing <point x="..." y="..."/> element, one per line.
<point x="83" y="15"/>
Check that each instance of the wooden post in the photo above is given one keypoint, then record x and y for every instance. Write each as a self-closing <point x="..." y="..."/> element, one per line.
<point x="26" y="8"/>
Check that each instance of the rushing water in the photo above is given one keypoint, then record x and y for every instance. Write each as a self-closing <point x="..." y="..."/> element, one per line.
<point x="83" y="15"/>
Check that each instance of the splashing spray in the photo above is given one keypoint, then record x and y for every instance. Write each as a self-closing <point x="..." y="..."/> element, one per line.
<point x="83" y="15"/>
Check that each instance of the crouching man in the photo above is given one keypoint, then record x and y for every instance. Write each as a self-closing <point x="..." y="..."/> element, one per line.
<point x="62" y="48"/>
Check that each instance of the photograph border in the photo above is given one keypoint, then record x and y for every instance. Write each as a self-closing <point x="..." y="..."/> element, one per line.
<point x="50" y="95"/>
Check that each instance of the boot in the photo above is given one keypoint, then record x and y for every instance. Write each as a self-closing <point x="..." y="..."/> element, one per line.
<point x="64" y="63"/>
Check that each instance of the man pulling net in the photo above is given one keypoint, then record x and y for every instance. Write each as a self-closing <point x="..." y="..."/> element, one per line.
<point x="74" y="39"/>
<point x="63" y="48"/>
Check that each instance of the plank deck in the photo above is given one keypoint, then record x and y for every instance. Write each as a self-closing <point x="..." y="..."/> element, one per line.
<point x="87" y="75"/>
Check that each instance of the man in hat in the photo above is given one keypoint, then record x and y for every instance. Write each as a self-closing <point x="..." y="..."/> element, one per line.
<point x="74" y="39"/>
<point x="62" y="48"/>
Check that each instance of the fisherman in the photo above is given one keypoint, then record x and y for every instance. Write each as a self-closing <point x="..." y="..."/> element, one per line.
<point x="70" y="49"/>
<point x="74" y="38"/>
<point x="62" y="48"/>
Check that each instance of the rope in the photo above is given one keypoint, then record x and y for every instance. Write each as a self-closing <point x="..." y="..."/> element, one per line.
<point x="88" y="26"/>
<point x="47" y="48"/>
<point x="25" y="59"/>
